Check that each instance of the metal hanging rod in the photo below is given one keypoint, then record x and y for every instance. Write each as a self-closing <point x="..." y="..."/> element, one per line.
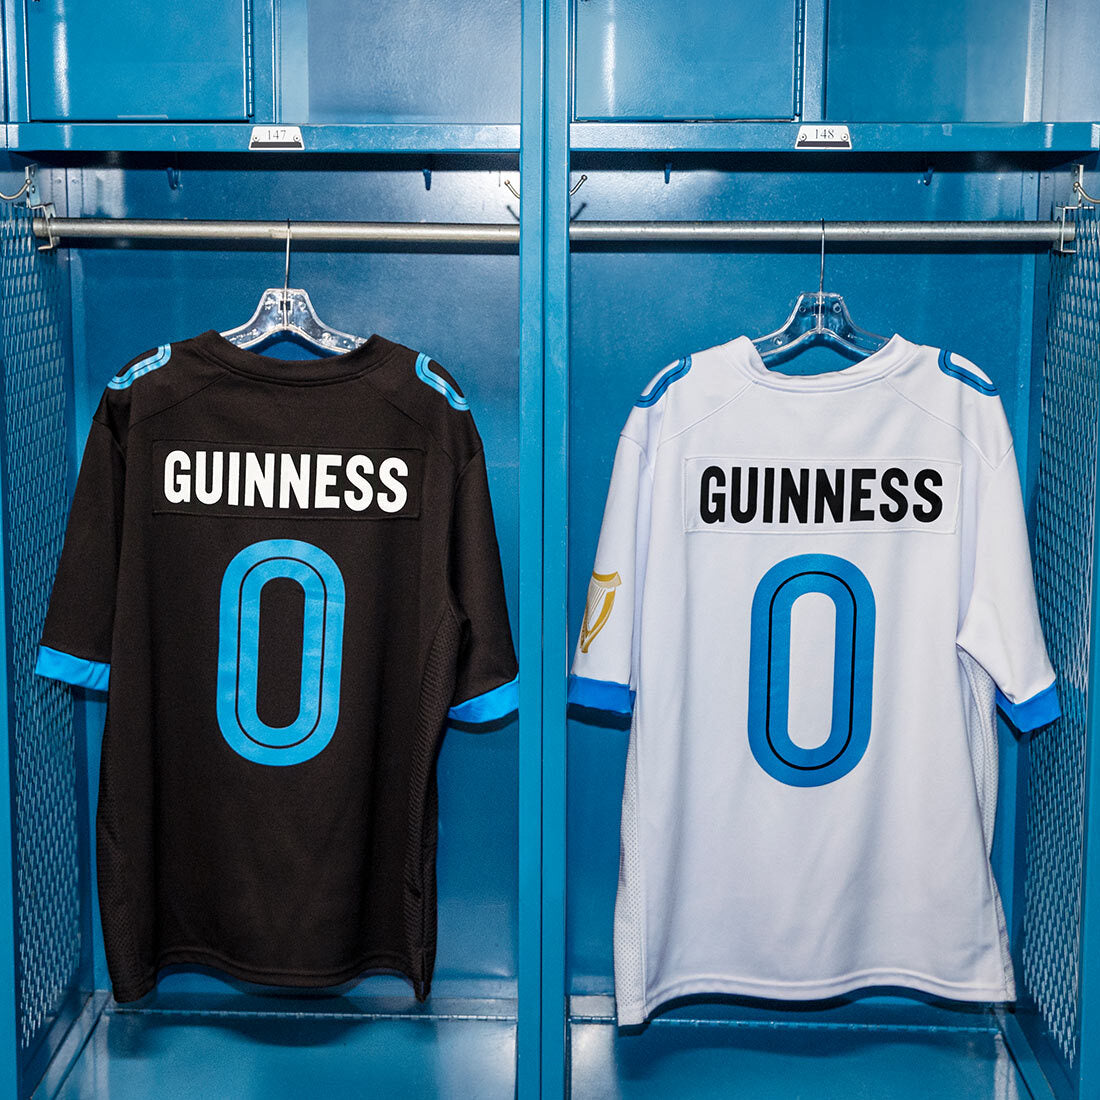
<point x="54" y="229"/>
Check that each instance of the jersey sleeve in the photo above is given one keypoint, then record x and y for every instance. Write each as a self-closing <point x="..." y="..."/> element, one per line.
<point x="605" y="674"/>
<point x="487" y="684"/>
<point x="76" y="639"/>
<point x="1000" y="625"/>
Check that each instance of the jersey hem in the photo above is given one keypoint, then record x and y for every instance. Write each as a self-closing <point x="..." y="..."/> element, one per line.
<point x="637" y="1013"/>
<point x="301" y="979"/>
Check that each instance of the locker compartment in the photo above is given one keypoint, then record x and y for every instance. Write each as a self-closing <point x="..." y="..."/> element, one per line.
<point x="122" y="300"/>
<point x="124" y="61"/>
<point x="690" y="61"/>
<point x="431" y="61"/>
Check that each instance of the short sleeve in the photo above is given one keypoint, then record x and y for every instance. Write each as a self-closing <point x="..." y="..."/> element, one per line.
<point x="76" y="638"/>
<point x="487" y="684"/>
<point x="1000" y="625"/>
<point x="604" y="674"/>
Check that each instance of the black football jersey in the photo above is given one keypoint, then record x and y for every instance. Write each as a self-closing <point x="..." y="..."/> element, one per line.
<point x="286" y="576"/>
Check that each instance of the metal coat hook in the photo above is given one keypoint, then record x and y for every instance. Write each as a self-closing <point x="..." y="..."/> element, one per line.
<point x="572" y="190"/>
<point x="1079" y="186"/>
<point x="1082" y="197"/>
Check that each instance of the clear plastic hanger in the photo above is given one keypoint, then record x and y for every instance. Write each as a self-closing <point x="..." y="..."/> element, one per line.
<point x="818" y="320"/>
<point x="290" y="313"/>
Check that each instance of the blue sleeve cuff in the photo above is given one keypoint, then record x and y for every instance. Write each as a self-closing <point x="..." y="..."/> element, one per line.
<point x="73" y="670"/>
<point x="1040" y="710"/>
<point x="600" y="694"/>
<point x="489" y="706"/>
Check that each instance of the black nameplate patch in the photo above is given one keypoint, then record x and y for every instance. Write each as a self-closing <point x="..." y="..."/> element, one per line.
<point x="232" y="479"/>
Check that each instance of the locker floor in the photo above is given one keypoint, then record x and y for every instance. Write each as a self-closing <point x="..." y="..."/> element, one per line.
<point x="181" y="1056"/>
<point x="691" y="1059"/>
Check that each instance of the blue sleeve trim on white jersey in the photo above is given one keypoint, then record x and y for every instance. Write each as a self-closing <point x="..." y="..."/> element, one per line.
<point x="601" y="694"/>
<point x="681" y="368"/>
<point x="490" y="706"/>
<point x="144" y="366"/>
<point x="440" y="384"/>
<point x="1040" y="710"/>
<point x="73" y="670"/>
<point x="968" y="378"/>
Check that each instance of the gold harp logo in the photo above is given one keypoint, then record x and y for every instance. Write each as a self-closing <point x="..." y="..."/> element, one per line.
<point x="597" y="608"/>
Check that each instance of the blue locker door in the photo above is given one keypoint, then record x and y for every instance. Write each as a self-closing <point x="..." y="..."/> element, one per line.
<point x="119" y="60"/>
<point x="649" y="59"/>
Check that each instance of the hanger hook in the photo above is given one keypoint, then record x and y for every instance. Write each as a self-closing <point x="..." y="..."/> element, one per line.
<point x="821" y="280"/>
<point x="821" y="272"/>
<point x="285" y="303"/>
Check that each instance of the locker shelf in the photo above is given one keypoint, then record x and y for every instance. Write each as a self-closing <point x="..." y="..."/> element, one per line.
<point x="188" y="137"/>
<point x="171" y="1054"/>
<point x="867" y="137"/>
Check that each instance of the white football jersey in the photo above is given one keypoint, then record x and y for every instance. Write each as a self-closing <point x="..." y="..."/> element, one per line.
<point x="812" y="591"/>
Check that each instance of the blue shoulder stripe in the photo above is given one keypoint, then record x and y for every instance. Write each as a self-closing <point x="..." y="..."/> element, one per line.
<point x="965" y="376"/>
<point x="440" y="384"/>
<point x="143" y="366"/>
<point x="675" y="372"/>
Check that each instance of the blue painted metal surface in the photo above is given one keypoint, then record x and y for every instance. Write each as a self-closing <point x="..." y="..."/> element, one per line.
<point x="133" y="1056"/>
<point x="869" y="137"/>
<point x="119" y="60"/>
<point x="942" y="60"/>
<point x="691" y="60"/>
<point x="692" y="1060"/>
<point x="384" y="138"/>
<point x="532" y="313"/>
<point x="555" y="636"/>
<point x="437" y="60"/>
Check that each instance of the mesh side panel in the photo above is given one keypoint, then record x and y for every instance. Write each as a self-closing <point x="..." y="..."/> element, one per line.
<point x="1063" y="567"/>
<point x="35" y="510"/>
<point x="630" y="903"/>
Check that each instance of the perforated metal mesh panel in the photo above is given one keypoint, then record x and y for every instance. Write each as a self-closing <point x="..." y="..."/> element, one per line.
<point x="1063" y="566"/>
<point x="35" y="508"/>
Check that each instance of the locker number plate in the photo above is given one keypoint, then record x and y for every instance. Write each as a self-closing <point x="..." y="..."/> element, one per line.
<point x="823" y="137"/>
<point x="276" y="137"/>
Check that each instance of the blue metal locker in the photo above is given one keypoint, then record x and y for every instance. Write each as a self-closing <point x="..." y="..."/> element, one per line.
<point x="537" y="117"/>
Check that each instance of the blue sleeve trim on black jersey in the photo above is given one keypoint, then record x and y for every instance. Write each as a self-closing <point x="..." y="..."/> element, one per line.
<point x="440" y="384"/>
<point x="1040" y="710"/>
<point x="488" y="707"/>
<point x="967" y="377"/>
<point x="601" y="694"/>
<point x="73" y="670"/>
<point x="144" y="366"/>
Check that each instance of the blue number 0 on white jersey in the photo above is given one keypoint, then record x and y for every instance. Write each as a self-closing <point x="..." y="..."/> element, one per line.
<point x="810" y="591"/>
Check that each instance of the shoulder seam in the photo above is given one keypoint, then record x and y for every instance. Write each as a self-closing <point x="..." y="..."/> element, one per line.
<point x="954" y="427"/>
<point x="175" y="404"/>
<point x="416" y="420"/>
<point x="706" y="416"/>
